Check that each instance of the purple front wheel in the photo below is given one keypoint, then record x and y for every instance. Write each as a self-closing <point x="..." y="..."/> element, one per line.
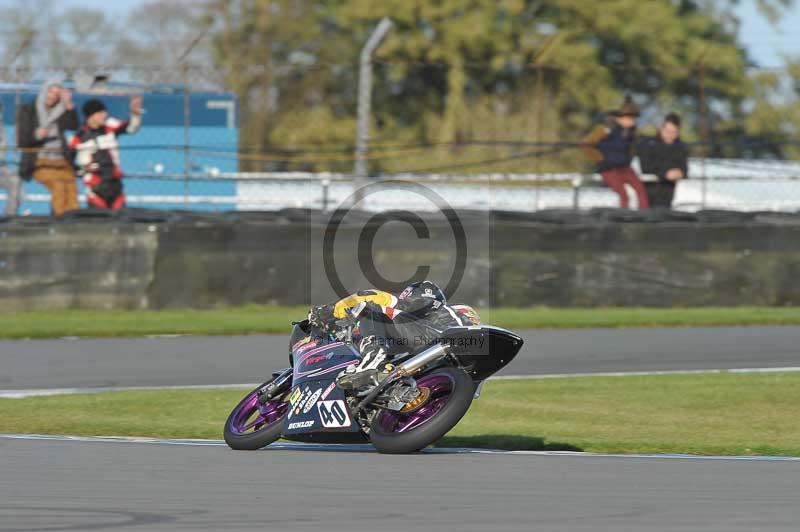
<point x="450" y="392"/>
<point x="252" y="425"/>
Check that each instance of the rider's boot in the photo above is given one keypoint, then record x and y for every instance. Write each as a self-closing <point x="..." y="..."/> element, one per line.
<point x="366" y="373"/>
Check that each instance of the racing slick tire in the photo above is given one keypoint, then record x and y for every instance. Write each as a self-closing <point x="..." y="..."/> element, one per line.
<point x="451" y="393"/>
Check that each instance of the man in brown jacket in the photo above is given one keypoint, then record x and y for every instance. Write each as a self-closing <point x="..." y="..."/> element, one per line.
<point x="40" y="134"/>
<point x="610" y="146"/>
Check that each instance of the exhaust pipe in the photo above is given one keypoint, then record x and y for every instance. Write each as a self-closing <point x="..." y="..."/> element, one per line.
<point x="406" y="369"/>
<point x="412" y="365"/>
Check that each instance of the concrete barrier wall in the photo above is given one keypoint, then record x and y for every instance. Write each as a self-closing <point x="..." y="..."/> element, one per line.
<point x="76" y="266"/>
<point x="513" y="262"/>
<point x="648" y="265"/>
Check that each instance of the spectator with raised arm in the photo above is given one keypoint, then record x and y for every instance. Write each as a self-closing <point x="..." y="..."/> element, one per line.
<point x="41" y="126"/>
<point x="97" y="152"/>
<point x="610" y="146"/>
<point x="666" y="156"/>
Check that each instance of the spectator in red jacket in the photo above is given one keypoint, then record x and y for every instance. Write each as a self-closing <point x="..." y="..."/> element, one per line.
<point x="97" y="150"/>
<point x="610" y="146"/>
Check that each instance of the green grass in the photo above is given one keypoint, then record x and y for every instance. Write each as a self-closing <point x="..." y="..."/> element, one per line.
<point x="121" y="323"/>
<point x="271" y="319"/>
<point x="568" y="318"/>
<point x="712" y="413"/>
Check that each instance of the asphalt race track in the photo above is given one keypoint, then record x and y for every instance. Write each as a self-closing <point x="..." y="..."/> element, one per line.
<point x="52" y="484"/>
<point x="195" y="360"/>
<point x="62" y="485"/>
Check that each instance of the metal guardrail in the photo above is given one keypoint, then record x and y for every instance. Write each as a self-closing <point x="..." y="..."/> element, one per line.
<point x="521" y="192"/>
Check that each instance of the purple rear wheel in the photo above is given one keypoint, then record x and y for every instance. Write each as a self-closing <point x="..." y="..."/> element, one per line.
<point x="252" y="425"/>
<point x="450" y="395"/>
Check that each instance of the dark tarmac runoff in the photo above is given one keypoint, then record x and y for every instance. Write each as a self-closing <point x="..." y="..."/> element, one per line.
<point x="69" y="485"/>
<point x="198" y="360"/>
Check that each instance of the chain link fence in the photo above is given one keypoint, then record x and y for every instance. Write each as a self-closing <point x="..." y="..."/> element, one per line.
<point x="285" y="136"/>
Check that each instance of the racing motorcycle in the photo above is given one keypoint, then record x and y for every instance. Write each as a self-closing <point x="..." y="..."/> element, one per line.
<point x="410" y="405"/>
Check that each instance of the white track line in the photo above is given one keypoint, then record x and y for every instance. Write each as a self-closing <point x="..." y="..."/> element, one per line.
<point x="21" y="394"/>
<point x="361" y="448"/>
<point x="635" y="373"/>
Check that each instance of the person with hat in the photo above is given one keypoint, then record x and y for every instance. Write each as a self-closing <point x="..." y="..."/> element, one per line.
<point x="97" y="152"/>
<point x="610" y="146"/>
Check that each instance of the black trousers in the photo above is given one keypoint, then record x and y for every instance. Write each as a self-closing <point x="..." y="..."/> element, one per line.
<point x="660" y="194"/>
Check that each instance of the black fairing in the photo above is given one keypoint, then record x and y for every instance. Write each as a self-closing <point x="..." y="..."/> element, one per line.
<point x="482" y="350"/>
<point x="300" y="330"/>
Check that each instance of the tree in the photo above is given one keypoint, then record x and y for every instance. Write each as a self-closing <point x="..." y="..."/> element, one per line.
<point x="290" y="66"/>
<point x="769" y="124"/>
<point x="42" y="36"/>
<point x="167" y="40"/>
<point x="564" y="60"/>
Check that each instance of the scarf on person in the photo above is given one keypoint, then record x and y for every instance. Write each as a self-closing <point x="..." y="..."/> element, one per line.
<point x="48" y="116"/>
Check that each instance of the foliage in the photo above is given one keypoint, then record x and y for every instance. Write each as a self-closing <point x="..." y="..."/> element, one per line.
<point x="769" y="125"/>
<point x="454" y="72"/>
<point x="459" y="84"/>
<point x="289" y="65"/>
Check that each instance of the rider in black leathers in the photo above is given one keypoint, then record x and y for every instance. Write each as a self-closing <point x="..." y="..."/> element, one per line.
<point x="384" y="325"/>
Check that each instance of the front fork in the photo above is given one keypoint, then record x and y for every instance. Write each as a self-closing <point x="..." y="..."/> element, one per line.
<point x="281" y="382"/>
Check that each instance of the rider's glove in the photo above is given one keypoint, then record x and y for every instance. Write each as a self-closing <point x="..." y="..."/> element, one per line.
<point x="356" y="311"/>
<point x="321" y="317"/>
<point x="342" y="329"/>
